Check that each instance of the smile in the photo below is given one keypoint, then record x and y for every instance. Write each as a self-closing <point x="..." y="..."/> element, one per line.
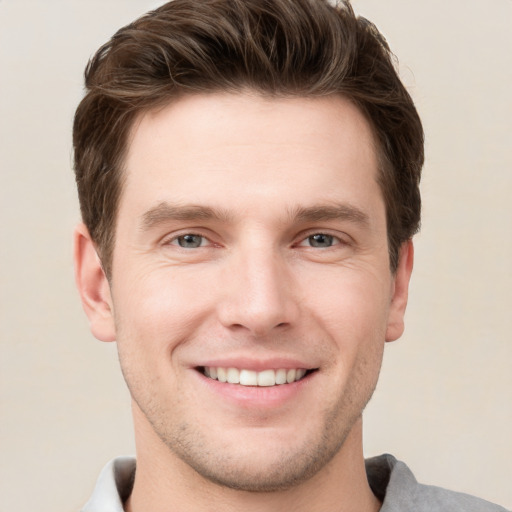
<point x="264" y="378"/>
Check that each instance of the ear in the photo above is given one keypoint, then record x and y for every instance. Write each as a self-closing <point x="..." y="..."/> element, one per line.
<point x="400" y="293"/>
<point x="93" y="286"/>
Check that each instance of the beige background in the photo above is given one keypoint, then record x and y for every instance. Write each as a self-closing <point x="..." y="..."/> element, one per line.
<point x="444" y="403"/>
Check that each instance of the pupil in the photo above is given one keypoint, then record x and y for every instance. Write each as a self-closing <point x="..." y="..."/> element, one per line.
<point x="321" y="240"/>
<point x="190" y="241"/>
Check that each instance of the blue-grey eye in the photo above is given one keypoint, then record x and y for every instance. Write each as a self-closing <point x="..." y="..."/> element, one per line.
<point x="321" y="240"/>
<point x="190" y="241"/>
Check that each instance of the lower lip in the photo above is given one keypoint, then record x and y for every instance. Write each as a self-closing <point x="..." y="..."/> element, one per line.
<point x="250" y="397"/>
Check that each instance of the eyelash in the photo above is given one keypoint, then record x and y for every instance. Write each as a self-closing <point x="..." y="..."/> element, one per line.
<point x="335" y="240"/>
<point x="175" y="240"/>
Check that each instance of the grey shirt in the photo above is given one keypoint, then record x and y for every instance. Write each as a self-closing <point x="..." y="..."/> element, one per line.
<point x="390" y="480"/>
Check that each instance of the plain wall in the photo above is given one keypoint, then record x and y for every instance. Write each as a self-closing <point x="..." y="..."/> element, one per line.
<point x="444" y="402"/>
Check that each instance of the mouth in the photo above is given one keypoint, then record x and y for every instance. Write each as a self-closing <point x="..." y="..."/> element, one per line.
<point x="265" y="378"/>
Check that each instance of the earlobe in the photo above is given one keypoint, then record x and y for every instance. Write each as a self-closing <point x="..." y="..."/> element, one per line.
<point x="400" y="294"/>
<point x="93" y="286"/>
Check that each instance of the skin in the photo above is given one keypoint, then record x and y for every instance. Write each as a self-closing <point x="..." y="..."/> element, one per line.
<point x="254" y="179"/>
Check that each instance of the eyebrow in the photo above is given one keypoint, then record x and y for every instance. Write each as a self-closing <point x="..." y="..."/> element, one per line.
<point x="331" y="212"/>
<point x="165" y="212"/>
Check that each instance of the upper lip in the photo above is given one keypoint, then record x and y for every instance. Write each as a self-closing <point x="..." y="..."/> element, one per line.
<point x="257" y="365"/>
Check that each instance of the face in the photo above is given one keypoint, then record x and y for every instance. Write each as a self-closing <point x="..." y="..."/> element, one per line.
<point x="251" y="292"/>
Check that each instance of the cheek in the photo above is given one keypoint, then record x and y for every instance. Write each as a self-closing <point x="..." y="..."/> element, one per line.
<point x="161" y="303"/>
<point x="353" y="313"/>
<point x="353" y="304"/>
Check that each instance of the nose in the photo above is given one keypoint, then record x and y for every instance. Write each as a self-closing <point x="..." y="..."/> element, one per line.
<point x="258" y="295"/>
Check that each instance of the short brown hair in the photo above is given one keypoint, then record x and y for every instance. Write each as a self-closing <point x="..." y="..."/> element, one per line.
<point x="276" y="47"/>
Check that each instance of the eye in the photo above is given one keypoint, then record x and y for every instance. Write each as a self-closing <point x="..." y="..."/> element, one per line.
<point x="320" y="240"/>
<point x="190" y="241"/>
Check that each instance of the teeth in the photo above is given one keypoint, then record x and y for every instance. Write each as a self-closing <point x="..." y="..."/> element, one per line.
<point x="221" y="374"/>
<point x="265" y="378"/>
<point x="281" y="377"/>
<point x="248" y="378"/>
<point x="233" y="376"/>
<point x="300" y="373"/>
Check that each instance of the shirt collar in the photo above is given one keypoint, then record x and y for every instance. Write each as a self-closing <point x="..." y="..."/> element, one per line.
<point x="113" y="486"/>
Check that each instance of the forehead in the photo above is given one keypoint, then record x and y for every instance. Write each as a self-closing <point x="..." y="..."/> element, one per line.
<point x="238" y="149"/>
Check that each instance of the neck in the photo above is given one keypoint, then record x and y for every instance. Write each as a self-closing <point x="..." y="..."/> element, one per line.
<point x="164" y="482"/>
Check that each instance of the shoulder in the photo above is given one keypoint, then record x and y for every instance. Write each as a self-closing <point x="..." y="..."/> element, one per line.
<point x="443" y="499"/>
<point x="393" y="482"/>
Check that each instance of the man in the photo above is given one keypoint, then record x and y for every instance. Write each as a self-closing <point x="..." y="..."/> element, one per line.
<point x="248" y="178"/>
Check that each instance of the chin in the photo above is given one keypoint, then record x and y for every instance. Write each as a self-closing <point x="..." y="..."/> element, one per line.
<point x="261" y="476"/>
<point x="262" y="463"/>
